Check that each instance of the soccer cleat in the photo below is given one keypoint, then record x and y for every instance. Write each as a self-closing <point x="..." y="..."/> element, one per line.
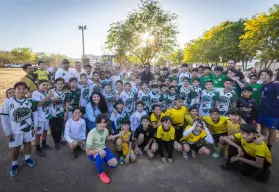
<point x="185" y="155"/>
<point x="121" y="160"/>
<point x="216" y="154"/>
<point x="40" y="153"/>
<point x="30" y="162"/>
<point x="104" y="178"/>
<point x="140" y="154"/>
<point x="14" y="170"/>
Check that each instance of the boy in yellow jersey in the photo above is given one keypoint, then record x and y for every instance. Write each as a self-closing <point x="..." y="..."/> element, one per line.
<point x="124" y="143"/>
<point x="165" y="139"/>
<point x="218" y="127"/>
<point x="42" y="73"/>
<point x="156" y="116"/>
<point x="192" y="136"/>
<point x="194" y="114"/>
<point x="177" y="113"/>
<point x="246" y="156"/>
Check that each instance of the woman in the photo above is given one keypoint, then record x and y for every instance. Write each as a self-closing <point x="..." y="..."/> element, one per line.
<point x="96" y="105"/>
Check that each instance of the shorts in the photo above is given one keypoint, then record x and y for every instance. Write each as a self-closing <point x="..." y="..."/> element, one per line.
<point x="146" y="142"/>
<point x="108" y="156"/>
<point x="217" y="136"/>
<point x="125" y="149"/>
<point x="195" y="146"/>
<point x="19" y="139"/>
<point x="178" y="133"/>
<point x="267" y="121"/>
<point x="43" y="126"/>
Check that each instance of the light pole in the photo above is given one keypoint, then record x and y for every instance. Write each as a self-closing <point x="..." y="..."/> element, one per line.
<point x="82" y="28"/>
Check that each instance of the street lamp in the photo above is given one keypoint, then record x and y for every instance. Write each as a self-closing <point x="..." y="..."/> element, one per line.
<point x="82" y="28"/>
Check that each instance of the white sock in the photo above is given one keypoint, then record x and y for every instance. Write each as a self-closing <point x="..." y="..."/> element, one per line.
<point x="14" y="163"/>
<point x="27" y="157"/>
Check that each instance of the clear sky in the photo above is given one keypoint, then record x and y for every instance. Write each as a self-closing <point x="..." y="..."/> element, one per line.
<point x="52" y="25"/>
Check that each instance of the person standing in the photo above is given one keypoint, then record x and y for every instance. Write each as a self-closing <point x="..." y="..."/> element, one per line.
<point x="79" y="69"/>
<point x="146" y="75"/>
<point x="29" y="79"/>
<point x="65" y="73"/>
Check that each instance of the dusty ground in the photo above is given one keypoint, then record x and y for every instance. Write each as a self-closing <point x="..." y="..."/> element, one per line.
<point x="58" y="173"/>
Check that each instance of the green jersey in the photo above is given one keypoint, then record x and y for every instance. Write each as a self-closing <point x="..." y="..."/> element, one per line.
<point x="208" y="101"/>
<point x="218" y="81"/>
<point x="203" y="79"/>
<point x="226" y="100"/>
<point x="74" y="98"/>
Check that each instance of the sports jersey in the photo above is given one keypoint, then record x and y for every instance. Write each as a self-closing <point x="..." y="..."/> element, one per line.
<point x="154" y="98"/>
<point x="218" y="81"/>
<point x="42" y="74"/>
<point x="129" y="100"/>
<point x="226" y="100"/>
<point x="86" y="91"/>
<point x="20" y="115"/>
<point x="145" y="98"/>
<point x="164" y="99"/>
<point x="189" y="119"/>
<point x="109" y="97"/>
<point x="74" y="98"/>
<point x="126" y="139"/>
<point x="219" y="127"/>
<point x="194" y="137"/>
<point x="257" y="91"/>
<point x="117" y="118"/>
<point x="232" y="128"/>
<point x="203" y="79"/>
<point x="135" y="120"/>
<point x="253" y="149"/>
<point x="148" y="133"/>
<point x="43" y="112"/>
<point x="170" y="100"/>
<point x="105" y="82"/>
<point x="177" y="115"/>
<point x="165" y="135"/>
<point x="57" y="108"/>
<point x="154" y="119"/>
<point x="97" y="139"/>
<point x="66" y="75"/>
<point x="186" y="94"/>
<point x="208" y="101"/>
<point x="270" y="100"/>
<point x="181" y="76"/>
<point x="248" y="109"/>
<point x="96" y="86"/>
<point x="196" y="96"/>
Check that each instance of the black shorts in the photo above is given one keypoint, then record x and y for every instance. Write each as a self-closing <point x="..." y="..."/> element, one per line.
<point x="217" y="136"/>
<point x="195" y="146"/>
<point x="146" y="142"/>
<point x="178" y="133"/>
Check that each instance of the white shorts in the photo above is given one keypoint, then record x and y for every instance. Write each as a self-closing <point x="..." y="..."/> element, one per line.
<point x="43" y="125"/>
<point x="19" y="139"/>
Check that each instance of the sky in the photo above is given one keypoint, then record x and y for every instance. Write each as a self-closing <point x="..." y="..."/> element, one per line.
<point x="51" y="26"/>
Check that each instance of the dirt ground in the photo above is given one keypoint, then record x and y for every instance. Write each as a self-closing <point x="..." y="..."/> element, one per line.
<point x="58" y="173"/>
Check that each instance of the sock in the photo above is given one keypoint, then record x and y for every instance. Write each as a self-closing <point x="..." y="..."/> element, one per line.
<point x="99" y="162"/>
<point x="38" y="147"/>
<point x="269" y="146"/>
<point x="14" y="163"/>
<point x="26" y="157"/>
<point x="44" y="142"/>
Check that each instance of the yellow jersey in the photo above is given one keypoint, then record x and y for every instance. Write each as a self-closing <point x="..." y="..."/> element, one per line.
<point x="189" y="119"/>
<point x="126" y="139"/>
<point x="193" y="137"/>
<point x="177" y="115"/>
<point x="253" y="149"/>
<point x="42" y="74"/>
<point x="219" y="127"/>
<point x="154" y="119"/>
<point x="165" y="135"/>
<point x="233" y="128"/>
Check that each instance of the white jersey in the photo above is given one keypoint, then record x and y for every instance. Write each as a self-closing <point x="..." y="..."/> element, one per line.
<point x="117" y="119"/>
<point x="113" y="81"/>
<point x="20" y="114"/>
<point x="66" y="75"/>
<point x="43" y="112"/>
<point x="135" y="120"/>
<point x="110" y="100"/>
<point x="129" y="100"/>
<point x="57" y="108"/>
<point x="145" y="98"/>
<point x="86" y="91"/>
<point x="181" y="76"/>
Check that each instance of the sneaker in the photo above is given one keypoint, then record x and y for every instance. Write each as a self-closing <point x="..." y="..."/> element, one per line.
<point x="30" y="162"/>
<point x="140" y="154"/>
<point x="194" y="154"/>
<point x="185" y="155"/>
<point x="14" y="170"/>
<point x="56" y="147"/>
<point x="104" y="178"/>
<point x="40" y="153"/>
<point x="216" y="154"/>
<point x="121" y="160"/>
<point x="46" y="146"/>
<point x="73" y="156"/>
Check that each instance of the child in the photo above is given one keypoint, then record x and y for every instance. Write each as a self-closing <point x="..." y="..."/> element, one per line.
<point x="194" y="114"/>
<point x="42" y="73"/>
<point x="165" y="139"/>
<point x="124" y="143"/>
<point x="171" y="96"/>
<point x="19" y="118"/>
<point x="186" y="92"/>
<point x="135" y="118"/>
<point x="10" y="93"/>
<point x="137" y="85"/>
<point x="103" y="80"/>
<point x="156" y="116"/>
<point x="59" y="111"/>
<point x="43" y="99"/>
<point x="119" y="89"/>
<point x="206" y="75"/>
<point x="209" y="98"/>
<point x="184" y="72"/>
<point x="86" y="90"/>
<point x="129" y="99"/>
<point x="88" y="71"/>
<point x="109" y="97"/>
<point x="256" y="87"/>
<point x="108" y="77"/>
<point x="200" y="71"/>
<point x="218" y="78"/>
<point x="192" y="137"/>
<point x="174" y="83"/>
<point x="218" y="127"/>
<point x="164" y="96"/>
<point x="155" y="96"/>
<point x="118" y="115"/>
<point x="246" y="156"/>
<point x="227" y="97"/>
<point x="75" y="132"/>
<point x="174" y="74"/>
<point x="144" y="138"/>
<point x="196" y="97"/>
<point x="143" y="95"/>
<point x="194" y="74"/>
<point x="74" y="95"/>
<point x="96" y="147"/>
<point x="247" y="105"/>
<point x="167" y="82"/>
<point x="96" y="81"/>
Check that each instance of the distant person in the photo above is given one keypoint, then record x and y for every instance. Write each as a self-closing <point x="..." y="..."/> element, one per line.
<point x="41" y="73"/>
<point x="65" y="72"/>
<point x="29" y="79"/>
<point x="146" y="75"/>
<point x="79" y="69"/>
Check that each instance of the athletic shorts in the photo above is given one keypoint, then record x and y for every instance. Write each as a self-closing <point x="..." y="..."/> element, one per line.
<point x="146" y="142"/>
<point x="178" y="133"/>
<point x="42" y="126"/>
<point x="108" y="156"/>
<point x="195" y="146"/>
<point x="267" y="121"/>
<point x="19" y="139"/>
<point x="217" y="136"/>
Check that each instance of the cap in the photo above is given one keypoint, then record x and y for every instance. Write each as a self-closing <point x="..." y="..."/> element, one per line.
<point x="247" y="88"/>
<point x="248" y="128"/>
<point x="65" y="61"/>
<point x="178" y="97"/>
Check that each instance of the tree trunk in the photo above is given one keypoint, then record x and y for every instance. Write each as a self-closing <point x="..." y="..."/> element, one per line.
<point x="243" y="63"/>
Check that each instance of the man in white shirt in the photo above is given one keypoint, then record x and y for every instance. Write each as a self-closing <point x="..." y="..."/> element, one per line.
<point x="79" y="69"/>
<point x="65" y="72"/>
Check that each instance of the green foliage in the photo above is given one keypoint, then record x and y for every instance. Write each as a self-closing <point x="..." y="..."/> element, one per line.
<point x="176" y="57"/>
<point x="53" y="59"/>
<point x="23" y="55"/>
<point x="146" y="33"/>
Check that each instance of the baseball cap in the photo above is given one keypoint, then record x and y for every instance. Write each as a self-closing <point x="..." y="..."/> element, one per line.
<point x="248" y="128"/>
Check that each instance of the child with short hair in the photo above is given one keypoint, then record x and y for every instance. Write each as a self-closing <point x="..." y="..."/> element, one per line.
<point x="95" y="81"/>
<point x="137" y="85"/>
<point x="119" y="89"/>
<point x="86" y="90"/>
<point x="174" y="74"/>
<point x="155" y="96"/>
<point x="88" y="71"/>
<point x="218" y="78"/>
<point x="109" y="97"/>
<point x="75" y="132"/>
<point x="196" y="98"/>
<point x="118" y="115"/>
<point x="41" y="73"/>
<point x="206" y="75"/>
<point x="184" y="72"/>
<point x="74" y="95"/>
<point x="186" y="92"/>
<point x="194" y="114"/>
<point x="19" y="118"/>
<point x="156" y="116"/>
<point x="10" y="92"/>
<point x="256" y="87"/>
<point x="129" y="98"/>
<point x="143" y="95"/>
<point x="171" y="96"/>
<point x="164" y="96"/>
<point x="135" y="118"/>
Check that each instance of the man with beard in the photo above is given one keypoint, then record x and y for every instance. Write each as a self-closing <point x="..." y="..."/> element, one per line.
<point x="29" y="79"/>
<point x="65" y="72"/>
<point x="146" y="75"/>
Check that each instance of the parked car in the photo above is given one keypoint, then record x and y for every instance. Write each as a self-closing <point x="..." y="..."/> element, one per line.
<point x="13" y="65"/>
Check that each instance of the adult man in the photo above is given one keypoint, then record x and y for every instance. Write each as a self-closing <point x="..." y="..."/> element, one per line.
<point x="29" y="79"/>
<point x="79" y="69"/>
<point x="146" y="75"/>
<point x="65" y="72"/>
<point x="231" y="65"/>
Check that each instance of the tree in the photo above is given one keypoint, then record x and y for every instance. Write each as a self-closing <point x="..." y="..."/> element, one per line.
<point x="176" y="57"/>
<point x="148" y="32"/>
<point x="23" y="55"/>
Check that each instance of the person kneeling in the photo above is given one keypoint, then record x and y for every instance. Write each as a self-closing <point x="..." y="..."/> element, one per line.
<point x="192" y="137"/>
<point x="96" y="147"/>
<point x="75" y="132"/>
<point x="245" y="155"/>
<point x="124" y="143"/>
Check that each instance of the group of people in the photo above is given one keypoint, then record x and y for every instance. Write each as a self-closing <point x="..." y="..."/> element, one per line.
<point x="144" y="110"/>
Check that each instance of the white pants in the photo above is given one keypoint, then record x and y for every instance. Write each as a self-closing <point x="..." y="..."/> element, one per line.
<point x="19" y="139"/>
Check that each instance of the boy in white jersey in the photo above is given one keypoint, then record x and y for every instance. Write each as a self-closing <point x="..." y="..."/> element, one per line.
<point x="118" y="115"/>
<point x="118" y="89"/>
<point x="43" y="99"/>
<point x="184" y="72"/>
<point x="135" y="118"/>
<point x="186" y="92"/>
<point x="19" y="118"/>
<point x="164" y="96"/>
<point x="143" y="95"/>
<point x="59" y="111"/>
<point x="86" y="90"/>
<point x="110" y="97"/>
<point x="129" y="98"/>
<point x="196" y="98"/>
<point x="155" y="96"/>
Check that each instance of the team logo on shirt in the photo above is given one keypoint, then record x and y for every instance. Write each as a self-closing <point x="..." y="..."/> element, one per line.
<point x="21" y="114"/>
<point x="255" y="89"/>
